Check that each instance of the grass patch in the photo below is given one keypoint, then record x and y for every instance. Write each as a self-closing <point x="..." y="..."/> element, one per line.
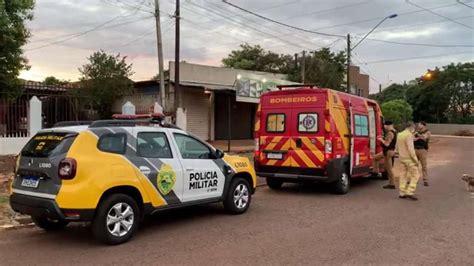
<point x="4" y="199"/>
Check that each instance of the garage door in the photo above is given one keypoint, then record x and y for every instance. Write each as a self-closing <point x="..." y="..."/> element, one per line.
<point x="197" y="105"/>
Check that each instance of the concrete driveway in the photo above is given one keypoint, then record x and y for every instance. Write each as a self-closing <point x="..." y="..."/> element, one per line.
<point x="297" y="225"/>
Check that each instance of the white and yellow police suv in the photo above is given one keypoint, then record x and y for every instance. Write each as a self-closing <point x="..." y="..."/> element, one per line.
<point x="113" y="172"/>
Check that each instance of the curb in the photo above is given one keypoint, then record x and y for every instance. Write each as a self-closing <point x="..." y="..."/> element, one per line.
<point x="451" y="136"/>
<point x="8" y="227"/>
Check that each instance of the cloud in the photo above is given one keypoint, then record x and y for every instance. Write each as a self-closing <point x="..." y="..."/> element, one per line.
<point x="211" y="29"/>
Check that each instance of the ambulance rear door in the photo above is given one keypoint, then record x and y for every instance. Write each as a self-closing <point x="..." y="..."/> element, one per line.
<point x="307" y="135"/>
<point x="274" y="139"/>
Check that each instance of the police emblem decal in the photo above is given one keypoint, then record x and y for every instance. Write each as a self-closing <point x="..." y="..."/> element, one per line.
<point x="166" y="179"/>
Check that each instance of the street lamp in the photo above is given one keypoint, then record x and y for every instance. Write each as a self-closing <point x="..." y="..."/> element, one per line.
<point x="376" y="26"/>
<point x="349" y="48"/>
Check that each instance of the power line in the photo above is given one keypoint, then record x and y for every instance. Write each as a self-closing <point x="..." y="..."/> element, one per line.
<point x="439" y="15"/>
<point x="269" y="28"/>
<point x="421" y="44"/>
<point x="464" y="4"/>
<point x="416" y="57"/>
<point x="129" y="6"/>
<point x="246" y="26"/>
<point x="104" y="27"/>
<point x="281" y="23"/>
<point x="87" y="31"/>
<point x="383" y="29"/>
<point x="392" y="42"/>
<point x="147" y="34"/>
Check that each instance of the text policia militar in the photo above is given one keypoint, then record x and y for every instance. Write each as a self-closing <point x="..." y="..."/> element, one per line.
<point x="202" y="180"/>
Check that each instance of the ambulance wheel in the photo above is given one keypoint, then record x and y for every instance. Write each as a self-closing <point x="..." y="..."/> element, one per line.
<point x="116" y="219"/>
<point x="239" y="196"/>
<point x="48" y="224"/>
<point x="342" y="184"/>
<point x="384" y="175"/>
<point x="274" y="183"/>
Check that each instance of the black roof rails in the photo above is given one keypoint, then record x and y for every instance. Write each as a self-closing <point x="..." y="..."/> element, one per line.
<point x="72" y="123"/>
<point x="297" y="86"/>
<point x="131" y="123"/>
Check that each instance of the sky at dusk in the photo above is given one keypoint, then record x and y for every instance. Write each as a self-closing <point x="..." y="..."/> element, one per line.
<point x="66" y="32"/>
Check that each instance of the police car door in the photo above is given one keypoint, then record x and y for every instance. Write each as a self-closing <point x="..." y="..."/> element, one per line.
<point x="202" y="177"/>
<point x="160" y="163"/>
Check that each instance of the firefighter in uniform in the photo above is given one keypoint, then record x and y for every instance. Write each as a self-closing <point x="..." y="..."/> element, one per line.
<point x="408" y="163"/>
<point x="388" y="145"/>
<point x="422" y="137"/>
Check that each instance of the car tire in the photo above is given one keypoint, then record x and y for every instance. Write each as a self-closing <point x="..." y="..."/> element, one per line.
<point x="116" y="219"/>
<point x="274" y="183"/>
<point x="239" y="196"/>
<point x="342" y="185"/>
<point x="48" y="224"/>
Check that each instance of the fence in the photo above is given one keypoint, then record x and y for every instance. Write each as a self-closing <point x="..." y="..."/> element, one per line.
<point x="55" y="108"/>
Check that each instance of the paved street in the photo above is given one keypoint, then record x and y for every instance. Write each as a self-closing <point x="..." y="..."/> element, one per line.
<point x="300" y="224"/>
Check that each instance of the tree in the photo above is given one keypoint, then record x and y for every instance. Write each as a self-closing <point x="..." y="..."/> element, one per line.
<point x="256" y="58"/>
<point x="104" y="79"/>
<point x="398" y="111"/>
<point x="458" y="81"/>
<point x="393" y="92"/>
<point x="54" y="81"/>
<point x="13" y="35"/>
<point x="324" y="69"/>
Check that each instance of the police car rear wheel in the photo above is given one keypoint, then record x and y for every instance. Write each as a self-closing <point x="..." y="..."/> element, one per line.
<point x="48" y="224"/>
<point x="116" y="219"/>
<point x="342" y="185"/>
<point x="238" y="198"/>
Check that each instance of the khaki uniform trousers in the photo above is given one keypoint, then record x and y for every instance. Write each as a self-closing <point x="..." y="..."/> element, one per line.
<point x="388" y="164"/>
<point x="422" y="156"/>
<point x="408" y="177"/>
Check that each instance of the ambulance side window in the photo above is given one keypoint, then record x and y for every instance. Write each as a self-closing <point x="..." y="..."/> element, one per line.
<point x="276" y="123"/>
<point x="361" y="123"/>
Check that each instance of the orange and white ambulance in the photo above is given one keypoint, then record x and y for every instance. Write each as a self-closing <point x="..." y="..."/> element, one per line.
<point x="305" y="133"/>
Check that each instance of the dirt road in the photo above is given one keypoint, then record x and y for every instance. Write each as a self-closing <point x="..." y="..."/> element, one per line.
<point x="299" y="224"/>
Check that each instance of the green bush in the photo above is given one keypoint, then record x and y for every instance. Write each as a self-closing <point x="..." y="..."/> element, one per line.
<point x="397" y="111"/>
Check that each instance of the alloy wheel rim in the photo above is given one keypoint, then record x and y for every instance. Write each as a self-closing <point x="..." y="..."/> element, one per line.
<point x="120" y="219"/>
<point x="241" y="196"/>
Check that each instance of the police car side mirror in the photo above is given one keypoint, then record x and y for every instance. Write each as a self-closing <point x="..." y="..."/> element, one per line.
<point x="219" y="153"/>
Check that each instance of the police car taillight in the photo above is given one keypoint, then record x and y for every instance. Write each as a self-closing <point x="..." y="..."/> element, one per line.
<point x="67" y="168"/>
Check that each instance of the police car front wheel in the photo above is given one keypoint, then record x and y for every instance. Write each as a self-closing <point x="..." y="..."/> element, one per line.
<point x="238" y="198"/>
<point x="116" y="219"/>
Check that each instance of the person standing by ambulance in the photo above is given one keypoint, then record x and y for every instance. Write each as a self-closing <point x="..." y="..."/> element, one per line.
<point x="422" y="137"/>
<point x="408" y="163"/>
<point x="388" y="147"/>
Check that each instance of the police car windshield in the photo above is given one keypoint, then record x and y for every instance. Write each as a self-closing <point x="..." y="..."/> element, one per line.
<point x="48" y="144"/>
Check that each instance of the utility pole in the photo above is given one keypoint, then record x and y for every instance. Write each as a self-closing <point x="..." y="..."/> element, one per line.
<point x="348" y="86"/>
<point x="380" y="88"/>
<point x="159" y="45"/>
<point x="303" y="65"/>
<point x="176" y="57"/>
<point x="296" y="61"/>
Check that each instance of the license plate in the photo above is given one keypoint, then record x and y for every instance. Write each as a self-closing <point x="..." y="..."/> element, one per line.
<point x="273" y="155"/>
<point x="32" y="182"/>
